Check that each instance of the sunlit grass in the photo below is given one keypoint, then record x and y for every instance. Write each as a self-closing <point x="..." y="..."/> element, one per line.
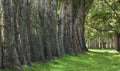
<point x="94" y="60"/>
<point x="104" y="50"/>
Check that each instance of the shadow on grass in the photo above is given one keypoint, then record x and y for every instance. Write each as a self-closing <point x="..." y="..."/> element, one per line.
<point x="94" y="60"/>
<point x="89" y="61"/>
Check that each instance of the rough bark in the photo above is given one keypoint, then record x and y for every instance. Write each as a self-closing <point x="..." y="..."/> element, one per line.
<point x="34" y="31"/>
<point x="60" y="29"/>
<point x="68" y="23"/>
<point x="25" y="57"/>
<point x="10" y="57"/>
<point x="53" y="28"/>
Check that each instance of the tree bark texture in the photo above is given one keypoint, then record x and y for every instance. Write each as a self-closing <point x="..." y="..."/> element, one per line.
<point x="38" y="30"/>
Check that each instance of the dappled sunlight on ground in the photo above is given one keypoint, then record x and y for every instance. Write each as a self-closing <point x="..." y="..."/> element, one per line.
<point x="94" y="60"/>
<point x="103" y="50"/>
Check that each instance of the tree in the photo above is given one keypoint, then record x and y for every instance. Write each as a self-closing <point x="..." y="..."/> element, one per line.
<point x="104" y="18"/>
<point x="10" y="56"/>
<point x="41" y="29"/>
<point x="1" y="39"/>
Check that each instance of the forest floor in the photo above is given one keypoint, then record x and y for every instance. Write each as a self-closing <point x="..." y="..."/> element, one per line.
<point x="94" y="60"/>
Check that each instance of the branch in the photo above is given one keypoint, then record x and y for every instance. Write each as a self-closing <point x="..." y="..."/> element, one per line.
<point x="102" y="30"/>
<point x="112" y="9"/>
<point x="88" y="4"/>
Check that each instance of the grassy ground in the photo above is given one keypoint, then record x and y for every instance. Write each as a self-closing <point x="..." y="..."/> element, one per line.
<point x="95" y="60"/>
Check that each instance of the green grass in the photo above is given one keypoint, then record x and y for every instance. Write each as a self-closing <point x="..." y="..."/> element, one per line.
<point x="94" y="60"/>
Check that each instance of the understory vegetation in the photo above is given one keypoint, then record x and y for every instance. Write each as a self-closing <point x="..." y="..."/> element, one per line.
<point x="94" y="60"/>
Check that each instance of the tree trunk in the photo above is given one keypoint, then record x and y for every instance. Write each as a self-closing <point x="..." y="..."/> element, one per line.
<point x="79" y="14"/>
<point x="53" y="28"/>
<point x="10" y="57"/>
<point x="34" y="31"/>
<point x="25" y="57"/>
<point x="1" y="39"/>
<point x="60" y="30"/>
<point x="118" y="42"/>
<point x="68" y="23"/>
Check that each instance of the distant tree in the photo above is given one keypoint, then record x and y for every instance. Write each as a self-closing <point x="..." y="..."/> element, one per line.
<point x="103" y="20"/>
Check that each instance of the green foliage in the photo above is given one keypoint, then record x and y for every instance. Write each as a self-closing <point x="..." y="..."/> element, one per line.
<point x="95" y="60"/>
<point x="102" y="20"/>
<point x="58" y="6"/>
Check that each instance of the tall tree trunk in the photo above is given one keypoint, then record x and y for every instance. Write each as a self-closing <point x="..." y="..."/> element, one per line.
<point x="39" y="28"/>
<point x="53" y="28"/>
<point x="47" y="30"/>
<point x="30" y="30"/>
<point x="79" y="23"/>
<point x="60" y="29"/>
<point x="68" y="23"/>
<point x="1" y="38"/>
<point x="25" y="57"/>
<point x="10" y="57"/>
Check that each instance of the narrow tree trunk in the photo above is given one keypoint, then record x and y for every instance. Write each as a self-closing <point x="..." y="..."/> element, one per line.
<point x="60" y="30"/>
<point x="1" y="40"/>
<point x="118" y="42"/>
